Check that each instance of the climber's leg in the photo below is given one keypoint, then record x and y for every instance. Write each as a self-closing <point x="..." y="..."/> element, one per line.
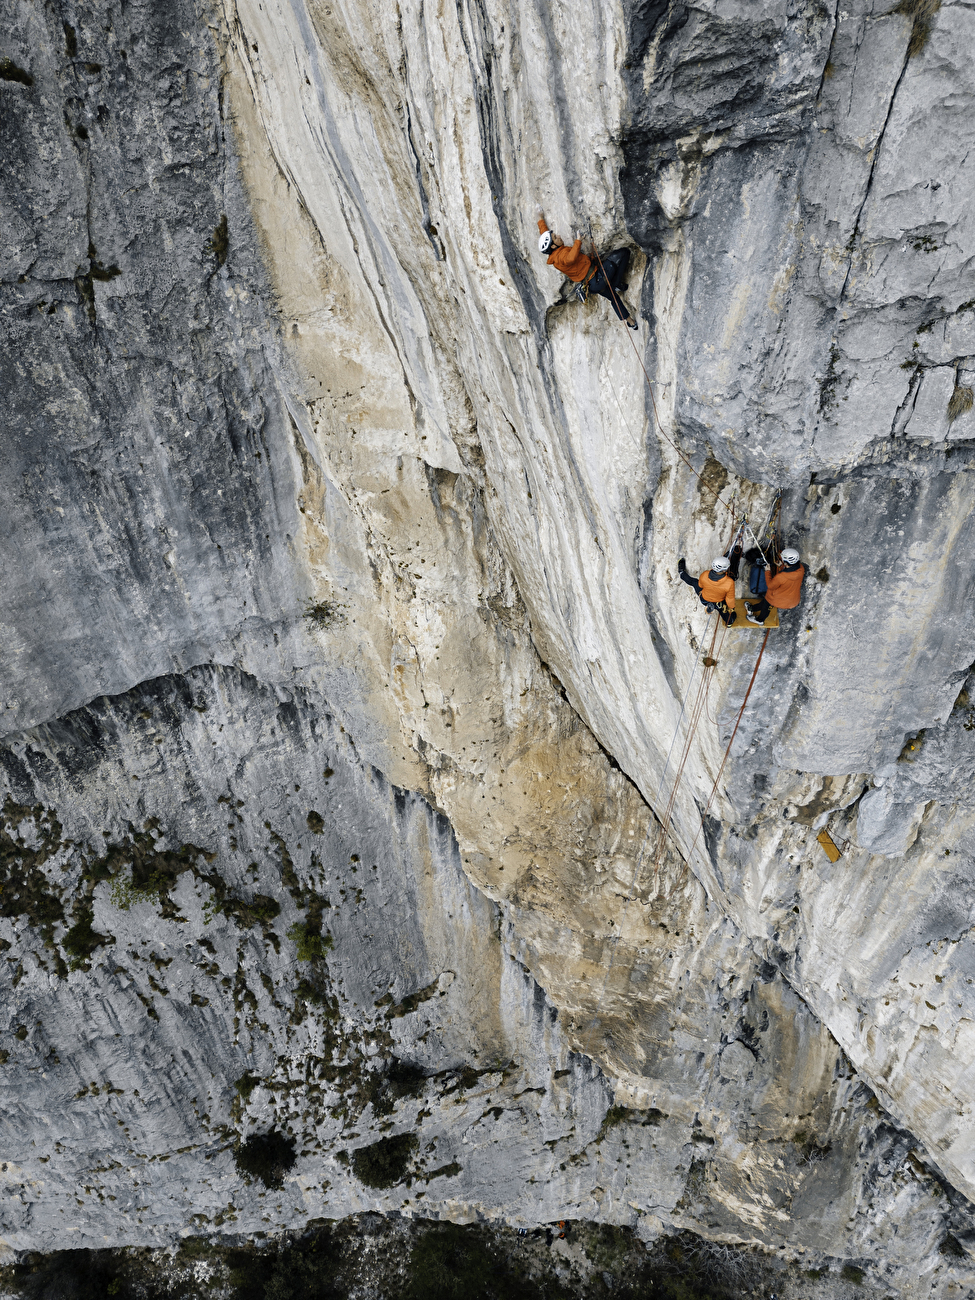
<point x="609" y="277"/>
<point x="688" y="578"/>
<point x="598" y="285"/>
<point x="620" y="259"/>
<point x="757" y="610"/>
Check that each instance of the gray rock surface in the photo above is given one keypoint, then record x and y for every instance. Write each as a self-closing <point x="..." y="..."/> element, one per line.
<point x="187" y="1017"/>
<point x="337" y="507"/>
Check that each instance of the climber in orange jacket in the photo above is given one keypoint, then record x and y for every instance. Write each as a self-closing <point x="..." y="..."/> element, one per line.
<point x="607" y="280"/>
<point x="715" y="587"/>
<point x="784" y="587"/>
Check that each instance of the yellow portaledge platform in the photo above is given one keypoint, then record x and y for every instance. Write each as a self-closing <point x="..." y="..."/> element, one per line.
<point x="742" y="622"/>
<point x="829" y="848"/>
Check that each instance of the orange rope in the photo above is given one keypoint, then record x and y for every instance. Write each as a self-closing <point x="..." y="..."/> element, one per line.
<point x="724" y="760"/>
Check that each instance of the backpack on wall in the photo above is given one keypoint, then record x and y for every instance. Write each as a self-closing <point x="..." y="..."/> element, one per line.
<point x="756" y="574"/>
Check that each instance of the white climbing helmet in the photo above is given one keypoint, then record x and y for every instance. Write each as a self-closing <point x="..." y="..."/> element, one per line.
<point x="545" y="242"/>
<point x="720" y="565"/>
<point x="789" y="556"/>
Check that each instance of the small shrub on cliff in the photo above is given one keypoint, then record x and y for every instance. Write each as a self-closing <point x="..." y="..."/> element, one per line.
<point x="921" y="13"/>
<point x="384" y="1089"/>
<point x="311" y="946"/>
<point x="261" y="910"/>
<point x="266" y="1156"/>
<point x="81" y="940"/>
<point x="324" y="613"/>
<point x="245" y="1085"/>
<point x="9" y="71"/>
<point x="384" y="1163"/>
<point x="219" y="242"/>
<point x="960" y="403"/>
<point x="453" y="1262"/>
<point x="952" y="1246"/>
<point x="306" y="1272"/>
<point x="72" y="1274"/>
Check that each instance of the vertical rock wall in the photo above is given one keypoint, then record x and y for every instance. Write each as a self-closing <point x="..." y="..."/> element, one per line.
<point x="371" y="539"/>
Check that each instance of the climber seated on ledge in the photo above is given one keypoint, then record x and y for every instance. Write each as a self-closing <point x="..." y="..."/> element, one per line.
<point x="783" y="587"/>
<point x="714" y="586"/>
<point x="580" y="269"/>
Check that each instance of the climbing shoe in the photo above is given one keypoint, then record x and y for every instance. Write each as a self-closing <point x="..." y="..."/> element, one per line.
<point x="632" y="323"/>
<point x="681" y="566"/>
<point x="750" y="616"/>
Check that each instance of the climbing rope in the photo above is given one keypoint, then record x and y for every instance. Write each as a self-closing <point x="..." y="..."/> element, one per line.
<point x="770" y="536"/>
<point x="653" y="401"/>
<point x="683" y="705"/>
<point x="727" y="751"/>
<point x="709" y="662"/>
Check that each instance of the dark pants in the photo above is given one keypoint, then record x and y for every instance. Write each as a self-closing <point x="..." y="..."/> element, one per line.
<point x="759" y="609"/>
<point x="729" y="617"/>
<point x="607" y="286"/>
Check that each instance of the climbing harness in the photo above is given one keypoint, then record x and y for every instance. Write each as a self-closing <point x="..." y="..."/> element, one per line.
<point x="581" y="290"/>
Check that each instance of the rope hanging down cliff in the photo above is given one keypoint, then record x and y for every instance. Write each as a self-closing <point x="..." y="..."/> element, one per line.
<point x="765" y="545"/>
<point x="576" y="266"/>
<point x="769" y="538"/>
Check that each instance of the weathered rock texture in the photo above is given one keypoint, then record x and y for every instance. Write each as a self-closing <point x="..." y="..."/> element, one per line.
<point x="346" y="672"/>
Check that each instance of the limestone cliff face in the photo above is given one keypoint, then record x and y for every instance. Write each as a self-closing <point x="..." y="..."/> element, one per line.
<point x="346" y="669"/>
